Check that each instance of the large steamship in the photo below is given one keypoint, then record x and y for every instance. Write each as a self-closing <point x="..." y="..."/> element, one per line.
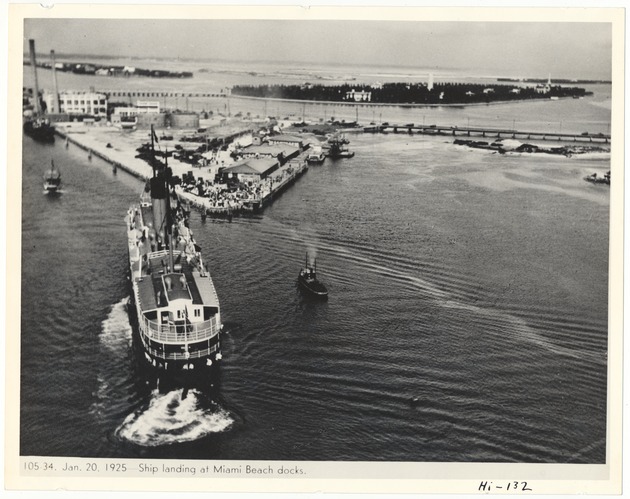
<point x="176" y="304"/>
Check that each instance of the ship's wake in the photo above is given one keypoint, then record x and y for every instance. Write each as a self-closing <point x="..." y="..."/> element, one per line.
<point x="115" y="339"/>
<point x="174" y="418"/>
<point x="116" y="330"/>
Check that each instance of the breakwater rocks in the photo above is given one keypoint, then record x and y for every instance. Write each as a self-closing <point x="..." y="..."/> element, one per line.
<point x="514" y="146"/>
<point x="414" y="93"/>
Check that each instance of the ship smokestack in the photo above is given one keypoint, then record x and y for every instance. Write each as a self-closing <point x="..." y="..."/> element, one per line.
<point x="159" y="193"/>
<point x="31" y="48"/>
<point x="159" y="196"/>
<point x="56" y="108"/>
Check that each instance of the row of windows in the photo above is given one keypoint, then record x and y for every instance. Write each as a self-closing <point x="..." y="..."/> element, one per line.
<point x="197" y="313"/>
<point x="83" y="102"/>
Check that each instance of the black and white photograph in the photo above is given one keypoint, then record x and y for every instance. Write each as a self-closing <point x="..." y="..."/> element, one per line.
<point x="265" y="246"/>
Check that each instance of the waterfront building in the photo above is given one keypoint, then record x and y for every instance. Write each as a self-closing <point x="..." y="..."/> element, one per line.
<point x="148" y="110"/>
<point x="250" y="169"/>
<point x="285" y="139"/>
<point x="79" y="103"/>
<point x="141" y="107"/>
<point x="281" y="152"/>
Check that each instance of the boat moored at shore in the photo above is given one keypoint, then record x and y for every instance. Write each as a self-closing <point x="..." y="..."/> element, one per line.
<point x="337" y="147"/>
<point x="316" y="156"/>
<point x="36" y="126"/>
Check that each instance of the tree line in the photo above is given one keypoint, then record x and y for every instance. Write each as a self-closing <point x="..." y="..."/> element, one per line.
<point x="406" y="93"/>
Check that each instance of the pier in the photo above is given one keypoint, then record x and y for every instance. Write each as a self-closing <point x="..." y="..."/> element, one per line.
<point x="122" y="156"/>
<point x="499" y="133"/>
<point x="277" y="182"/>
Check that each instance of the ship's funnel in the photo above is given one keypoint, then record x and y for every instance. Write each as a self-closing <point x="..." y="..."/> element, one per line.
<point x="159" y="195"/>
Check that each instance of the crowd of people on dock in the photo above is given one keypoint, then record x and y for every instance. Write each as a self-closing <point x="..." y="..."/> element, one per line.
<point x="220" y="197"/>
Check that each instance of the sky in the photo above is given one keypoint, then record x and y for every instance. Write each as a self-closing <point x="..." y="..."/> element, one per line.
<point x="573" y="50"/>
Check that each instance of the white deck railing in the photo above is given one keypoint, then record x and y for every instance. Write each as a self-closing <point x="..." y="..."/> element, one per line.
<point x="173" y="334"/>
<point x="182" y="356"/>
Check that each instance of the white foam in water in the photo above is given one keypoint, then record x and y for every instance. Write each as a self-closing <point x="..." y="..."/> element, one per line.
<point x="116" y="330"/>
<point x="116" y="336"/>
<point x="170" y="419"/>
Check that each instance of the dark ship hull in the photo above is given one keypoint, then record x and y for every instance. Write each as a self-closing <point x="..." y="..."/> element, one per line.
<point x="314" y="289"/>
<point x="41" y="132"/>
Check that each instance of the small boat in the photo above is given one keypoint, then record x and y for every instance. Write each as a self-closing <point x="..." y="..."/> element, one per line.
<point x="52" y="178"/>
<point x="337" y="149"/>
<point x="598" y="180"/>
<point x="307" y="280"/>
<point x="316" y="156"/>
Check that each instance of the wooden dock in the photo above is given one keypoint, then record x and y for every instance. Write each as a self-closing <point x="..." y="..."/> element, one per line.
<point x="499" y="133"/>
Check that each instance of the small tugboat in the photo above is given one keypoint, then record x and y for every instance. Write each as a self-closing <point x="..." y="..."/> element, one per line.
<point x="598" y="180"/>
<point x="52" y="179"/>
<point x="337" y="149"/>
<point x="176" y="305"/>
<point x="307" y="280"/>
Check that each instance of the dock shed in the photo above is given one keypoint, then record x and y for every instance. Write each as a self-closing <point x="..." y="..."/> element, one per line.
<point x="285" y="139"/>
<point x="281" y="152"/>
<point x="250" y="169"/>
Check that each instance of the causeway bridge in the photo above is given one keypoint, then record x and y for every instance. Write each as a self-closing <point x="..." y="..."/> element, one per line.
<point x="159" y="93"/>
<point x="500" y="133"/>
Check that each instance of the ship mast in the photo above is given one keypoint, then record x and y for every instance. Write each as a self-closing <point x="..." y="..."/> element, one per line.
<point x="169" y="215"/>
<point x="56" y="108"/>
<point x="31" y="48"/>
<point x="160" y="197"/>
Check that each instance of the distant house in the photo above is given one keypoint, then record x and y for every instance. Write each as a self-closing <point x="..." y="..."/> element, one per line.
<point x="488" y="90"/>
<point x="250" y="170"/>
<point x="515" y="91"/>
<point x="361" y="96"/>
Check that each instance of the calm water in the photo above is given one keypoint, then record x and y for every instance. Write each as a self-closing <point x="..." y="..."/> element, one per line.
<point x="474" y="283"/>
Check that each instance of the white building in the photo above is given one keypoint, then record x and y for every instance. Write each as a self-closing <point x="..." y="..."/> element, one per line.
<point x="83" y="103"/>
<point x="141" y="107"/>
<point x="361" y="96"/>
